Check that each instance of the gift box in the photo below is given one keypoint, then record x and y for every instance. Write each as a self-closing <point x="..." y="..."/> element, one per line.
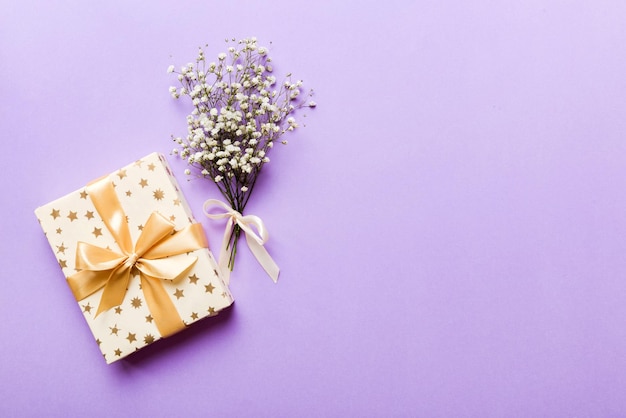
<point x="135" y="259"/>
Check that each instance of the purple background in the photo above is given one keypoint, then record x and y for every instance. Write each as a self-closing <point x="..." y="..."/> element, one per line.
<point x="450" y="225"/>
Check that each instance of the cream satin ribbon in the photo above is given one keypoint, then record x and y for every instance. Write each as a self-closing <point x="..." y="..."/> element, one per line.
<point x="255" y="240"/>
<point x="102" y="268"/>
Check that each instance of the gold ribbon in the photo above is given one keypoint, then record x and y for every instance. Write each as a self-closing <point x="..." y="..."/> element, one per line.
<point x="255" y="241"/>
<point x="101" y="268"/>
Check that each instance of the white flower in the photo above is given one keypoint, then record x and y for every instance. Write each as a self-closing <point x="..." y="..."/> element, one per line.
<point x="239" y="111"/>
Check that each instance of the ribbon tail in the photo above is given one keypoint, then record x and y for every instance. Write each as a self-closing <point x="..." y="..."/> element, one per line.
<point x="87" y="282"/>
<point x="162" y="309"/>
<point x="114" y="289"/>
<point x="263" y="257"/>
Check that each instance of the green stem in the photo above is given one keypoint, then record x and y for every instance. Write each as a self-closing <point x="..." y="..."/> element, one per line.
<point x="233" y="243"/>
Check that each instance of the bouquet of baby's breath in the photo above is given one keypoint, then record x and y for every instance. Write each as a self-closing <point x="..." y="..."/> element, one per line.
<point x="239" y="112"/>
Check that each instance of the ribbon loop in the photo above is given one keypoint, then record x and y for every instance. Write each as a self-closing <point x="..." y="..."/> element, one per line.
<point x="101" y="268"/>
<point x="255" y="239"/>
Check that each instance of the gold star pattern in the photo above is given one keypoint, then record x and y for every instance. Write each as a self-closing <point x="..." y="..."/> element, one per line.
<point x="87" y="308"/>
<point x="149" y="318"/>
<point x="98" y="341"/>
<point x="151" y="167"/>
<point x="193" y="279"/>
<point x="158" y="194"/>
<point x="118" y="352"/>
<point x="176" y="202"/>
<point x="172" y="218"/>
<point x="179" y="293"/>
<point x="138" y="163"/>
<point x="148" y="339"/>
<point x="55" y="213"/>
<point x="83" y="194"/>
<point x="143" y="183"/>
<point x="59" y="231"/>
<point x="140" y="227"/>
<point x="194" y="316"/>
<point x="97" y="232"/>
<point x="63" y="264"/>
<point x="114" y="329"/>
<point x="89" y="214"/>
<point x="211" y="310"/>
<point x="209" y="288"/>
<point x="72" y="216"/>
<point x="129" y="193"/>
<point x="136" y="303"/>
<point x="224" y="294"/>
<point x="118" y="310"/>
<point x="121" y="174"/>
<point x="61" y="248"/>
<point x="131" y="337"/>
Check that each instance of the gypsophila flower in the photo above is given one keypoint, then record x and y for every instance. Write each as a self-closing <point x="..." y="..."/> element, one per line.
<point x="239" y="111"/>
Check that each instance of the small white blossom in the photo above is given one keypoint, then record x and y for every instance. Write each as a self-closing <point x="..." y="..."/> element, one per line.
<point x="170" y="69"/>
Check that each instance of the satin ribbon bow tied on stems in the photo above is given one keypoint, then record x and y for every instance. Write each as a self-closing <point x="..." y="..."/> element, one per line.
<point x="151" y="256"/>
<point x="236" y="222"/>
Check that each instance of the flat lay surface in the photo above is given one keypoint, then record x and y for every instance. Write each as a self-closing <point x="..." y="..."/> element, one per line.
<point x="449" y="225"/>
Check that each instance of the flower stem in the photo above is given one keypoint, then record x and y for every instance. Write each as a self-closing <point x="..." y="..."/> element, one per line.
<point x="233" y="244"/>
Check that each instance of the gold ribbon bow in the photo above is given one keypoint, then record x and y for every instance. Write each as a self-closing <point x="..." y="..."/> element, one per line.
<point x="150" y="255"/>
<point x="255" y="241"/>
